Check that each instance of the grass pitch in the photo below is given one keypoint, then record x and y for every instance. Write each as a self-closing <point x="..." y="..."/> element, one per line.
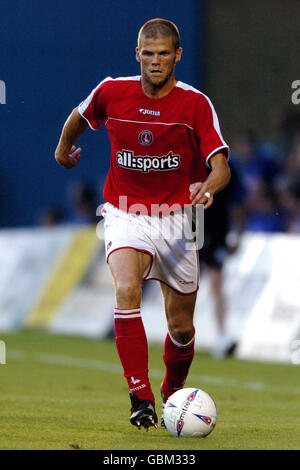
<point x="69" y="393"/>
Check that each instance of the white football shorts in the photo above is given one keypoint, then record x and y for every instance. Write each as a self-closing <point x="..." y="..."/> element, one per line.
<point x="167" y="239"/>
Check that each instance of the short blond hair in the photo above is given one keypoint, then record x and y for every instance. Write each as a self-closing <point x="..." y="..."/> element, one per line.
<point x="157" y="28"/>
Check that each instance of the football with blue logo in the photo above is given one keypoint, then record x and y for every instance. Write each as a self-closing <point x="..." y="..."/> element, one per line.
<point x="190" y="412"/>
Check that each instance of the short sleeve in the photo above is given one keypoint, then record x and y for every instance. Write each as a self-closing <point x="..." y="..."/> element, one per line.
<point x="208" y="130"/>
<point x="93" y="108"/>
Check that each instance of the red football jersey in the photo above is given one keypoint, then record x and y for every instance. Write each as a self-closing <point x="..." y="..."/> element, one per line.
<point x="158" y="146"/>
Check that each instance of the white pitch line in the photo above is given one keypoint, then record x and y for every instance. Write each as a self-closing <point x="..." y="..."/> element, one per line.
<point x="93" y="364"/>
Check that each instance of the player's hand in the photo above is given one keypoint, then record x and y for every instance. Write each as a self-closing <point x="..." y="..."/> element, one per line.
<point x="70" y="159"/>
<point x="200" y="194"/>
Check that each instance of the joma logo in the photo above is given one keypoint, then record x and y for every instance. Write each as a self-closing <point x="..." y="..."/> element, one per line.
<point x="149" y="111"/>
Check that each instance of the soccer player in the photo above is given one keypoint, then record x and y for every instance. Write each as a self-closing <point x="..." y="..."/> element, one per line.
<point x="160" y="130"/>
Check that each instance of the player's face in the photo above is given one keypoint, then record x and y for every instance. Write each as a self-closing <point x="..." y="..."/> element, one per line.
<point x="157" y="58"/>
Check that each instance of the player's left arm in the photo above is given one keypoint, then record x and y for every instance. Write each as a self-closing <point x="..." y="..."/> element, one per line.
<point x="66" y="154"/>
<point x="219" y="177"/>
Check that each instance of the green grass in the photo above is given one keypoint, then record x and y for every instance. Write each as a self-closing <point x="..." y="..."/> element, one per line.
<point x="61" y="393"/>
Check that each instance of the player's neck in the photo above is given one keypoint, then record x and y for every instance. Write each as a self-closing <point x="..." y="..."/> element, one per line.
<point x="158" y="92"/>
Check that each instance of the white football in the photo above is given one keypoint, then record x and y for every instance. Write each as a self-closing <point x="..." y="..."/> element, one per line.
<point x="190" y="412"/>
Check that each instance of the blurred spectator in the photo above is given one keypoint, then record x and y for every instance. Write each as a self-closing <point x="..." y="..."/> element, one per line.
<point x="292" y="166"/>
<point x="263" y="167"/>
<point x="288" y="128"/>
<point x="84" y="203"/>
<point x="223" y="225"/>
<point x="290" y="186"/>
<point x="263" y="195"/>
<point x="264" y="210"/>
<point x="294" y="220"/>
<point x="260" y="159"/>
<point x="52" y="216"/>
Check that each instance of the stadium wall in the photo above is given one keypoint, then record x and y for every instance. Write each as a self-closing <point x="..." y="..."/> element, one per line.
<point x="251" y="62"/>
<point x="52" y="55"/>
<point x="57" y="280"/>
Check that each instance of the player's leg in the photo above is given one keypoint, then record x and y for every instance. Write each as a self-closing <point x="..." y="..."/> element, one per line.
<point x="179" y="342"/>
<point x="128" y="267"/>
<point x="215" y="274"/>
<point x="225" y="345"/>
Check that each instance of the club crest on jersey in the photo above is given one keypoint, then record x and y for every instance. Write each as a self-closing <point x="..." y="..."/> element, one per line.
<point x="145" y="138"/>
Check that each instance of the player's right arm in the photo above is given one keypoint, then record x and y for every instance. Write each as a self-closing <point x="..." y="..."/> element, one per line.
<point x="66" y="154"/>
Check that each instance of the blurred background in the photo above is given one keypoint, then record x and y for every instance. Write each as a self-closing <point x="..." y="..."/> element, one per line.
<point x="53" y="274"/>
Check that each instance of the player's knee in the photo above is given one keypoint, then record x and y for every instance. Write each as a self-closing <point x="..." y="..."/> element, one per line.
<point x="128" y="293"/>
<point x="182" y="334"/>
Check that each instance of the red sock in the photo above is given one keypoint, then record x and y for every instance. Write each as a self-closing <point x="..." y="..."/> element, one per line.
<point x="177" y="358"/>
<point x="132" y="346"/>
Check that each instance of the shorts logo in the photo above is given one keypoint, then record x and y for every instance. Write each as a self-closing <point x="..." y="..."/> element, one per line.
<point x="127" y="159"/>
<point x="146" y="138"/>
<point x="109" y="245"/>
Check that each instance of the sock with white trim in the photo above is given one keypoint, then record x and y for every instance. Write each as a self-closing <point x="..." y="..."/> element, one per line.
<point x="177" y="358"/>
<point x="132" y="347"/>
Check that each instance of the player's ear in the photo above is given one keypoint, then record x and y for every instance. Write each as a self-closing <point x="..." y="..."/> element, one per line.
<point x="178" y="54"/>
<point x="137" y="54"/>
